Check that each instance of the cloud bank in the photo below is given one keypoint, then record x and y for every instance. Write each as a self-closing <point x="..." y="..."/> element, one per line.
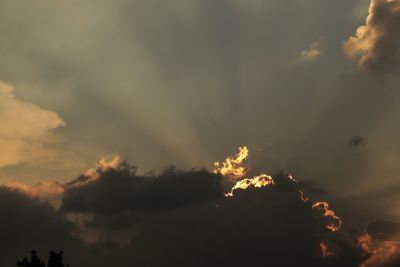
<point x="183" y="218"/>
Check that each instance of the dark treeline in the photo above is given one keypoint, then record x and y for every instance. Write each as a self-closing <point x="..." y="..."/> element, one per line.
<point x="55" y="260"/>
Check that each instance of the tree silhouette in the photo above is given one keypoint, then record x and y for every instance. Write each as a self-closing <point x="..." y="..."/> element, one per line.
<point x="33" y="262"/>
<point x="55" y="260"/>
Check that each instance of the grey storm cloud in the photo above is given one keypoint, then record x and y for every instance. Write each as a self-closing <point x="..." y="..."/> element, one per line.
<point x="378" y="40"/>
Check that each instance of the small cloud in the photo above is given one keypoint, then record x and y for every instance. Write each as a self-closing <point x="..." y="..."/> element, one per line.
<point x="357" y="141"/>
<point x="314" y="50"/>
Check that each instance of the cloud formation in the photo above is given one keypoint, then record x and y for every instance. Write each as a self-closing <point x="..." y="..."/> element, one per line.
<point x="114" y="189"/>
<point x="28" y="128"/>
<point x="187" y="212"/>
<point x="181" y="218"/>
<point x="255" y="226"/>
<point x="377" y="42"/>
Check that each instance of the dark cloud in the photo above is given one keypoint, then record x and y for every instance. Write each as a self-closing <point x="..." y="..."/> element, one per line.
<point x="357" y="141"/>
<point x="27" y="223"/>
<point x="120" y="189"/>
<point x="378" y="41"/>
<point x="116" y="197"/>
<point x="253" y="228"/>
<point x="183" y="219"/>
<point x="270" y="225"/>
<point x="178" y="218"/>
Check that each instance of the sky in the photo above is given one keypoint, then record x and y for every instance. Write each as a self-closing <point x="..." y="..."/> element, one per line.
<point x="110" y="112"/>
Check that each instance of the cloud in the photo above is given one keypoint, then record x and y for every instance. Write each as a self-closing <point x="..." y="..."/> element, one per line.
<point x="232" y="166"/>
<point x="114" y="186"/>
<point x="179" y="218"/>
<point x="379" y="251"/>
<point x="377" y="42"/>
<point x="357" y="141"/>
<point x="26" y="128"/>
<point x="198" y="67"/>
<point x="50" y="191"/>
<point x="314" y="51"/>
<point x="254" y="227"/>
<point x="41" y="190"/>
<point x="28" y="223"/>
<point x="182" y="218"/>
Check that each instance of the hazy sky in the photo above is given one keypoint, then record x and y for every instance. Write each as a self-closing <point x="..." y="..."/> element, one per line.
<point x="310" y="86"/>
<point x="186" y="82"/>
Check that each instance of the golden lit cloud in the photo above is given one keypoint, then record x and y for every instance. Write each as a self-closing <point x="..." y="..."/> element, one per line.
<point x="49" y="191"/>
<point x="332" y="222"/>
<point x="376" y="42"/>
<point x="379" y="251"/>
<point x="42" y="190"/>
<point x="232" y="167"/>
<point x="259" y="181"/>
<point x="53" y="191"/>
<point x="325" y="250"/>
<point x="103" y="165"/>
<point x="26" y="128"/>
